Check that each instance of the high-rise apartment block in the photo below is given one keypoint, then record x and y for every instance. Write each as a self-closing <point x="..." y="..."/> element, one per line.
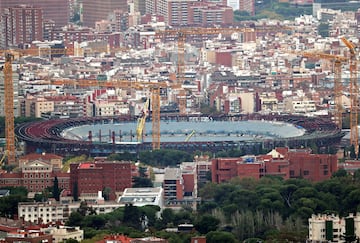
<point x="247" y="6"/>
<point x="140" y="6"/>
<point x="55" y="10"/>
<point x="192" y="12"/>
<point x="95" y="10"/>
<point x="21" y="25"/>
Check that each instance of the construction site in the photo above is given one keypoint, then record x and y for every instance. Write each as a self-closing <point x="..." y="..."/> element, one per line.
<point x="144" y="97"/>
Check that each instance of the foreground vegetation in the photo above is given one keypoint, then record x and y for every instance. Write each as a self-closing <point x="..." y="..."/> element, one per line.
<point x="270" y="209"/>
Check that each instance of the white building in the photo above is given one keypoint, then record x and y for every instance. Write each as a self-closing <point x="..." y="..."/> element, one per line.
<point x="143" y="196"/>
<point x="332" y="228"/>
<point x="47" y="212"/>
<point x="299" y="106"/>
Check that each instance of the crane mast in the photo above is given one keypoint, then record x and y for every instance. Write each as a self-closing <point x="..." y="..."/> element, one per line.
<point x="354" y="131"/>
<point x="338" y="94"/>
<point x="9" y="110"/>
<point x="338" y="87"/>
<point x="155" y="105"/>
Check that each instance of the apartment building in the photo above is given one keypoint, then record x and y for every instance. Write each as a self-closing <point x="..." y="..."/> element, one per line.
<point x="332" y="228"/>
<point x="36" y="106"/>
<point x="56" y="11"/>
<point x="94" y="10"/>
<point x="52" y="211"/>
<point x="247" y="6"/>
<point x="21" y="25"/>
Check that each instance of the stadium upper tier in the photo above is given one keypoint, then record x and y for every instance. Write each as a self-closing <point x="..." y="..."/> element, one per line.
<point x="117" y="134"/>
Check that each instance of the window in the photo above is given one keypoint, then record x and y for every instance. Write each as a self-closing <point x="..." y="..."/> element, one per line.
<point x="306" y="172"/>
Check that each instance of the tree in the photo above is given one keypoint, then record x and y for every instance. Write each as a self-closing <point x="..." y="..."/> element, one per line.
<point x="56" y="190"/>
<point x="167" y="216"/>
<point x="71" y="241"/>
<point x="206" y="223"/>
<point x="220" y="237"/>
<point x="340" y="173"/>
<point x="132" y="216"/>
<point x="106" y="193"/>
<point x="75" y="219"/>
<point x="142" y="182"/>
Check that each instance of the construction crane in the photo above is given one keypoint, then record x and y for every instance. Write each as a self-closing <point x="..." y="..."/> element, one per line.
<point x="155" y="100"/>
<point x="354" y="105"/>
<point x="141" y="122"/>
<point x="9" y="110"/>
<point x="338" y="88"/>
<point x="189" y="136"/>
<point x="181" y="36"/>
<point x="10" y="55"/>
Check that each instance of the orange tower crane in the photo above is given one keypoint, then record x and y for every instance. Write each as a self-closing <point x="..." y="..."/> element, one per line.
<point x="354" y="103"/>
<point x="155" y="99"/>
<point x="181" y="36"/>
<point x="338" y="88"/>
<point x="9" y="110"/>
<point x="9" y="94"/>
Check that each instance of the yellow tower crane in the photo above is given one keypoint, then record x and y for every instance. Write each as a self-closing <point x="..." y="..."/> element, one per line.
<point x="155" y="100"/>
<point x="338" y="88"/>
<point x="354" y="103"/>
<point x="182" y="34"/>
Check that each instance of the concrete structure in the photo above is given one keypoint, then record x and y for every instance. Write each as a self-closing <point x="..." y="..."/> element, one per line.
<point x="91" y="177"/>
<point x="143" y="196"/>
<point x="173" y="185"/>
<point x="94" y="10"/>
<point x="57" y="11"/>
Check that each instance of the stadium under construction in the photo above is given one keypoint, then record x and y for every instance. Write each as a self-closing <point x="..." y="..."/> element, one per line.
<point x="48" y="136"/>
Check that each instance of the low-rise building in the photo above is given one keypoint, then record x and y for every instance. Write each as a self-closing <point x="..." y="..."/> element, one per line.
<point x="63" y="233"/>
<point x="53" y="212"/>
<point x="36" y="175"/>
<point x="284" y="162"/>
<point x="30" y="235"/>
<point x="142" y="196"/>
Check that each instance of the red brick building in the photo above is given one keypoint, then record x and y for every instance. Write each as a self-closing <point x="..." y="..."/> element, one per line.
<point x="91" y="177"/>
<point x="284" y="162"/>
<point x="21" y="25"/>
<point x="315" y="167"/>
<point x="35" y="176"/>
